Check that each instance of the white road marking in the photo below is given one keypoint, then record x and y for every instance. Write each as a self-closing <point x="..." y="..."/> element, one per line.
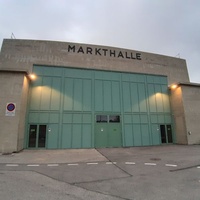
<point x="72" y="164"/>
<point x="170" y="165"/>
<point x="53" y="165"/>
<point x="34" y="165"/>
<point x="111" y="163"/>
<point x="129" y="163"/>
<point x="198" y="167"/>
<point x="92" y="163"/>
<point x="152" y="164"/>
<point x="12" y="165"/>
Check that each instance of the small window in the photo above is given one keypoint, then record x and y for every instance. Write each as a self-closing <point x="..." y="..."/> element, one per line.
<point x="101" y="118"/>
<point x="114" y="119"/>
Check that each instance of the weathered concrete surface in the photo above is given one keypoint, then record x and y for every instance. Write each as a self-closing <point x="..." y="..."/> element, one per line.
<point x="23" y="54"/>
<point x="113" y="177"/>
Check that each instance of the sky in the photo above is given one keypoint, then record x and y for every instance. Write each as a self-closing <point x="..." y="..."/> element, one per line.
<point x="167" y="27"/>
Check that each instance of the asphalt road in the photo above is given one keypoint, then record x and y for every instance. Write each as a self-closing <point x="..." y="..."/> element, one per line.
<point x="139" y="173"/>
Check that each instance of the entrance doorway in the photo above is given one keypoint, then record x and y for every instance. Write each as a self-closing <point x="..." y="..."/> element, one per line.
<point x="37" y="136"/>
<point x="166" y="133"/>
<point x="108" y="131"/>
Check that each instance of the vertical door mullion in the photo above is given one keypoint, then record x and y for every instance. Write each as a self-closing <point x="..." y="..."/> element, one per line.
<point x="37" y="133"/>
<point x="166" y="135"/>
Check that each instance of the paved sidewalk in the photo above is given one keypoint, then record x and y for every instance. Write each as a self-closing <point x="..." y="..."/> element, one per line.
<point x="149" y="173"/>
<point x="182" y="154"/>
<point x="53" y="156"/>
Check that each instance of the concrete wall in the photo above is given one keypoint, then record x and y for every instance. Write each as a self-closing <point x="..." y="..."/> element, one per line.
<point x="22" y="54"/>
<point x="11" y="126"/>
<point x="191" y="103"/>
<point x="185" y="103"/>
<point x="179" y="115"/>
<point x="22" y="114"/>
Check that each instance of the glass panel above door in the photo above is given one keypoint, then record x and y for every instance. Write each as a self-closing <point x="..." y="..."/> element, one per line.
<point x="101" y="118"/>
<point x="114" y="119"/>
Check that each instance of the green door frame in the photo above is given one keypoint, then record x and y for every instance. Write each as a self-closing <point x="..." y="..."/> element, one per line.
<point x="39" y="136"/>
<point x="108" y="130"/>
<point x="166" y="133"/>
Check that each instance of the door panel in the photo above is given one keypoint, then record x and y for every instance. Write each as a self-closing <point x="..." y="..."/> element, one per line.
<point x="52" y="139"/>
<point x="42" y="136"/>
<point x="169" y="134"/>
<point x="163" y="134"/>
<point x="108" y="131"/>
<point x="101" y="135"/>
<point x="32" y="136"/>
<point x="37" y="136"/>
<point x="155" y="134"/>
<point x="86" y="136"/>
<point x="145" y="135"/>
<point x="128" y="132"/>
<point x="76" y="136"/>
<point x="137" y="135"/>
<point x="66" y="136"/>
<point x="166" y="133"/>
<point x="114" y="135"/>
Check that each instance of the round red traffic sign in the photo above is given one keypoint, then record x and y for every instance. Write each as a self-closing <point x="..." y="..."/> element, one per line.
<point x="11" y="107"/>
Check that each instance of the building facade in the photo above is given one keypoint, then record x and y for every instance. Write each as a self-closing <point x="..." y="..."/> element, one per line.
<point x="88" y="96"/>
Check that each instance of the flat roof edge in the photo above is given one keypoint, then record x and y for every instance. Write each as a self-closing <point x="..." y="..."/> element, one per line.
<point x="13" y="71"/>
<point x="189" y="84"/>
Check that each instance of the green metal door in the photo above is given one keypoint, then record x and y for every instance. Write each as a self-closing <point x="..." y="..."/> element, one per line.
<point x="101" y="135"/>
<point x="114" y="135"/>
<point x="108" y="131"/>
<point x="101" y="132"/>
<point x="52" y="138"/>
<point x="156" y="140"/>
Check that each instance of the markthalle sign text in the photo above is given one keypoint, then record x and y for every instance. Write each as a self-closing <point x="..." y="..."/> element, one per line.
<point x="104" y="52"/>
